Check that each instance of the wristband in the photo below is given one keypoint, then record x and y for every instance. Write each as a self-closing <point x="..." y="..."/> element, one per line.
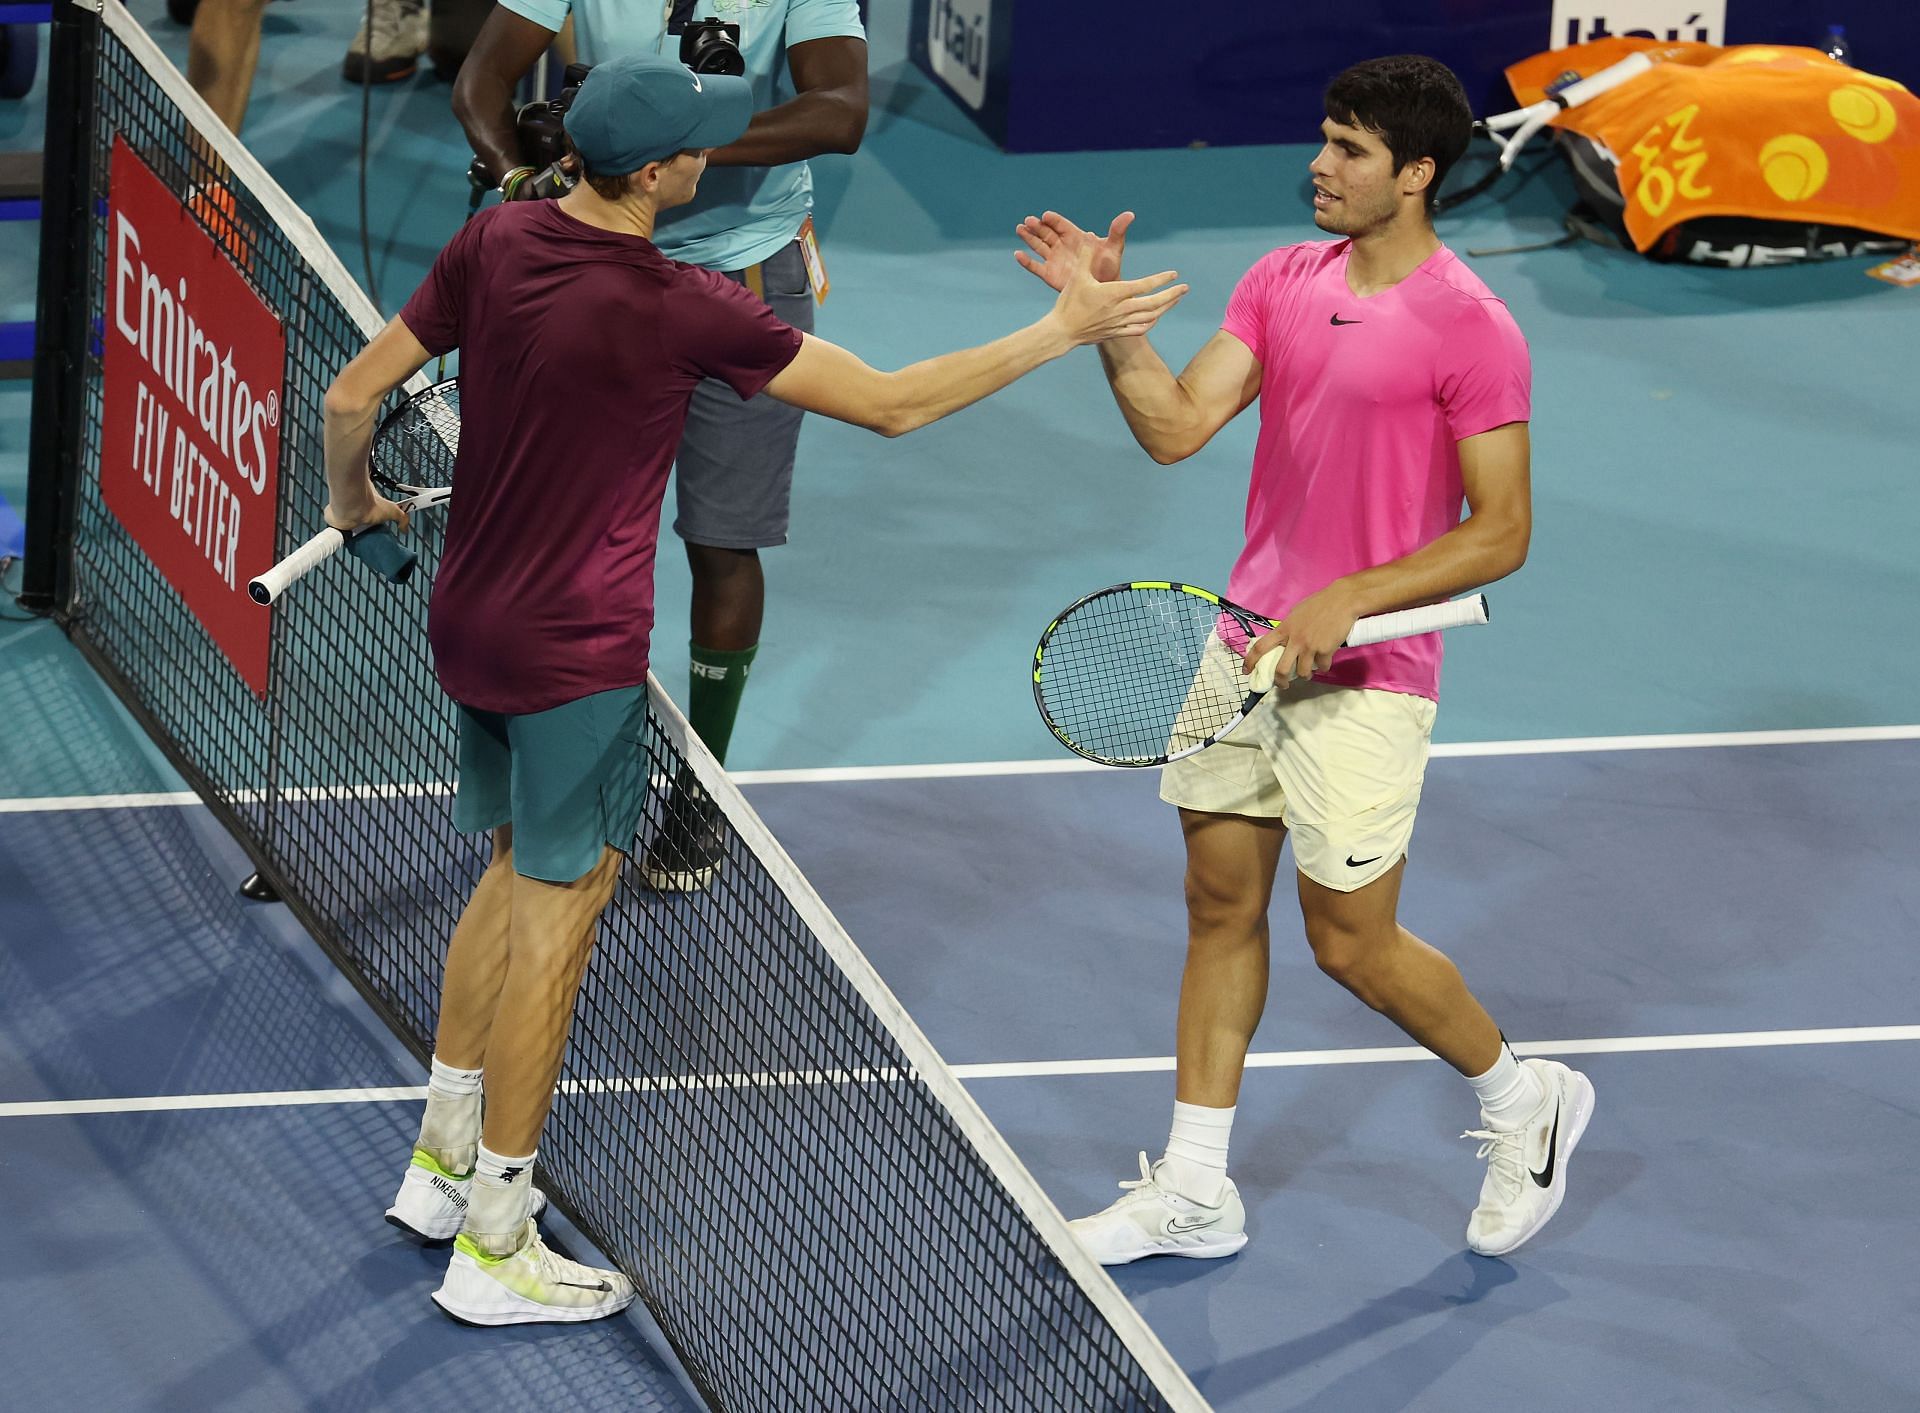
<point x="511" y="181"/>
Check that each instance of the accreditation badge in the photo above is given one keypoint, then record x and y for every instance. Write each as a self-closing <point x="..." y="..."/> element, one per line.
<point x="816" y="269"/>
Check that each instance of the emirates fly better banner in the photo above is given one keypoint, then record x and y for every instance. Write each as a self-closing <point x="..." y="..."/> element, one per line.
<point x="190" y="446"/>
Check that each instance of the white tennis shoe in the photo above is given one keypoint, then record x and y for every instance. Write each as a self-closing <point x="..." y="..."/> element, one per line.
<point x="432" y="1202"/>
<point x="531" y="1286"/>
<point x="1152" y="1220"/>
<point x="1527" y="1166"/>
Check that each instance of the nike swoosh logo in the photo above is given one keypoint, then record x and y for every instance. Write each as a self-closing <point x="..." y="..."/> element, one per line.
<point x="696" y="83"/>
<point x="1545" y="1176"/>
<point x="1176" y="1225"/>
<point x="1352" y="862"/>
<point x="602" y="1286"/>
<point x="1336" y="319"/>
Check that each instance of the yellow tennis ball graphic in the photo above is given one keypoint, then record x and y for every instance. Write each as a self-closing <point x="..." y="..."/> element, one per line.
<point x="1862" y="113"/>
<point x="1794" y="166"/>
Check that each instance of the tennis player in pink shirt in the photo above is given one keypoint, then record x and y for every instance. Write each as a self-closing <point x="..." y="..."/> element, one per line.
<point x="1394" y="391"/>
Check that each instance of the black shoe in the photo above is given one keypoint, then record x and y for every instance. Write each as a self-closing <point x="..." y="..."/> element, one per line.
<point x="686" y="853"/>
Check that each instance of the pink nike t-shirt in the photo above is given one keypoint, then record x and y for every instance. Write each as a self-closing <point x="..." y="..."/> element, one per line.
<point x="1362" y="402"/>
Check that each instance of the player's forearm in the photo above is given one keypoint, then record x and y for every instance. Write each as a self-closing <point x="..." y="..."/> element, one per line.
<point x="827" y="120"/>
<point x="1158" y="410"/>
<point x="483" y="103"/>
<point x="926" y="392"/>
<point x="348" y="434"/>
<point x="1482" y="548"/>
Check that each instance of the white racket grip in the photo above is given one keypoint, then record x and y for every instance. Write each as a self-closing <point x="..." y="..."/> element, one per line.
<point x="1591" y="87"/>
<point x="1411" y="622"/>
<point x="1534" y="115"/>
<point x="273" y="583"/>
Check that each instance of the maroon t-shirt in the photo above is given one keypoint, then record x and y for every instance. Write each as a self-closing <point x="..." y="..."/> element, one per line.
<point x="579" y="350"/>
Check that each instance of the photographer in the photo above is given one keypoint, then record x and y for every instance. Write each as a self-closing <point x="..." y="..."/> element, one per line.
<point x="807" y="63"/>
<point x="582" y="347"/>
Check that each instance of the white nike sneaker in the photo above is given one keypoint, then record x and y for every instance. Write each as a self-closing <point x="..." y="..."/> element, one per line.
<point x="432" y="1202"/>
<point x="531" y="1286"/>
<point x="1527" y="1166"/>
<point x="1152" y="1220"/>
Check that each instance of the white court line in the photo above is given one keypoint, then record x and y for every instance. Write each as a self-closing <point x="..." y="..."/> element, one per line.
<point x="1394" y="1054"/>
<point x="1274" y="1059"/>
<point x="1562" y="746"/>
<point x="961" y="769"/>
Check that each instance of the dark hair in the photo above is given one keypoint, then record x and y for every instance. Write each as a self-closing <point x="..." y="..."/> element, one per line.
<point x="1414" y="103"/>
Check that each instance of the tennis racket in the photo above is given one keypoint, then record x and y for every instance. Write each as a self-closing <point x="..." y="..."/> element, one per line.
<point x="1524" y="123"/>
<point x="1149" y="672"/>
<point x="412" y="464"/>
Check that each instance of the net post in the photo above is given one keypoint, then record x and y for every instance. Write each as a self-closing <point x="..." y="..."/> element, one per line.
<point x="60" y="311"/>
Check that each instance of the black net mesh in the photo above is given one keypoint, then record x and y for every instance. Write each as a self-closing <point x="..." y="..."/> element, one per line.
<point x="735" y="1126"/>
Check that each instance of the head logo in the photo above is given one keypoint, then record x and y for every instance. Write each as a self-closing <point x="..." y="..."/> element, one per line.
<point x="957" y="46"/>
<point x="1578" y="21"/>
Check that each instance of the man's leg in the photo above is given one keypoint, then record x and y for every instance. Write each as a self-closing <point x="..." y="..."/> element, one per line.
<point x="501" y="1272"/>
<point x="1185" y="1205"/>
<point x="1357" y="940"/>
<point x="1231" y="861"/>
<point x="477" y="962"/>
<point x="549" y="942"/>
<point x="1535" y="1113"/>
<point x="222" y="51"/>
<point x="432" y="1201"/>
<point x="734" y="484"/>
<point x="729" y="600"/>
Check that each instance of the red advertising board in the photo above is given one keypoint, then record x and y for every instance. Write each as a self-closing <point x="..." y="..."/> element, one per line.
<point x="193" y="374"/>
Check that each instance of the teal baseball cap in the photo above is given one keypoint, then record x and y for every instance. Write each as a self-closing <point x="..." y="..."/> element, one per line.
<point x="646" y="107"/>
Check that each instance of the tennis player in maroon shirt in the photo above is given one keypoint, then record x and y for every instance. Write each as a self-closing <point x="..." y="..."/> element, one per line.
<point x="580" y="347"/>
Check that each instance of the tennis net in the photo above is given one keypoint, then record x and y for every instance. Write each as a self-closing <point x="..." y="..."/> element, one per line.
<point x="814" y="1210"/>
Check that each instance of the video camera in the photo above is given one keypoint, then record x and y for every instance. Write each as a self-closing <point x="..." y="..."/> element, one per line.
<point x="706" y="46"/>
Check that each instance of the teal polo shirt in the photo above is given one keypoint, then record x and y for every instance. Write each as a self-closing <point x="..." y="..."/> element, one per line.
<point x="742" y="214"/>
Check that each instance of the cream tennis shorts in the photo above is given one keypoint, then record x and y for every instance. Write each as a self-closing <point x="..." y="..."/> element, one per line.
<point x="1341" y="767"/>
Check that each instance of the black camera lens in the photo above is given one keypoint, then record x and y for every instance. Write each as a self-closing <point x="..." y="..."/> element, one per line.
<point x="712" y="47"/>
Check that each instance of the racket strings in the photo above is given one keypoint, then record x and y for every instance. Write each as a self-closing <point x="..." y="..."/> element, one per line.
<point x="1137" y="675"/>
<point x="419" y="441"/>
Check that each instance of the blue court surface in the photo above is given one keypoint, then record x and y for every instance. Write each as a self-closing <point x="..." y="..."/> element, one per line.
<point x="1668" y="834"/>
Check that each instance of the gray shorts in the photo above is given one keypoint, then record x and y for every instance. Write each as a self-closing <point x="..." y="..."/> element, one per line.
<point x="734" y="473"/>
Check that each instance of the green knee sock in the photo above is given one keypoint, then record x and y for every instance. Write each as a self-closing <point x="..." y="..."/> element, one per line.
<point x="713" y="698"/>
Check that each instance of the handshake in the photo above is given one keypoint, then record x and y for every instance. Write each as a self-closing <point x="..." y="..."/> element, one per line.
<point x="1084" y="270"/>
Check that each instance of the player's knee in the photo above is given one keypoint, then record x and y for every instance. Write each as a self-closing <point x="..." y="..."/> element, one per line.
<point x="1223" y="903"/>
<point x="1349" y="956"/>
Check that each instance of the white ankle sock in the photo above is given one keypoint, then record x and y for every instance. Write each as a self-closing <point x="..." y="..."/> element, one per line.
<point x="501" y="1201"/>
<point x="446" y="1082"/>
<point x="450" y="1128"/>
<point x="1195" y="1165"/>
<point x="1509" y="1092"/>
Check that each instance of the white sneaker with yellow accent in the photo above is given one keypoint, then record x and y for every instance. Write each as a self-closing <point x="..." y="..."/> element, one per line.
<point x="432" y="1202"/>
<point x="530" y="1286"/>
<point x="1527" y="1166"/>
<point x="1152" y="1220"/>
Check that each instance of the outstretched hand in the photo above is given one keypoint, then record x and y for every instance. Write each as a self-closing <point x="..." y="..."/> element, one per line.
<point x="1055" y="245"/>
<point x="1091" y="311"/>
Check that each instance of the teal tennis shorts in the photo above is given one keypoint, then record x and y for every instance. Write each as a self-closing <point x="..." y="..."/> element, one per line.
<point x="570" y="780"/>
